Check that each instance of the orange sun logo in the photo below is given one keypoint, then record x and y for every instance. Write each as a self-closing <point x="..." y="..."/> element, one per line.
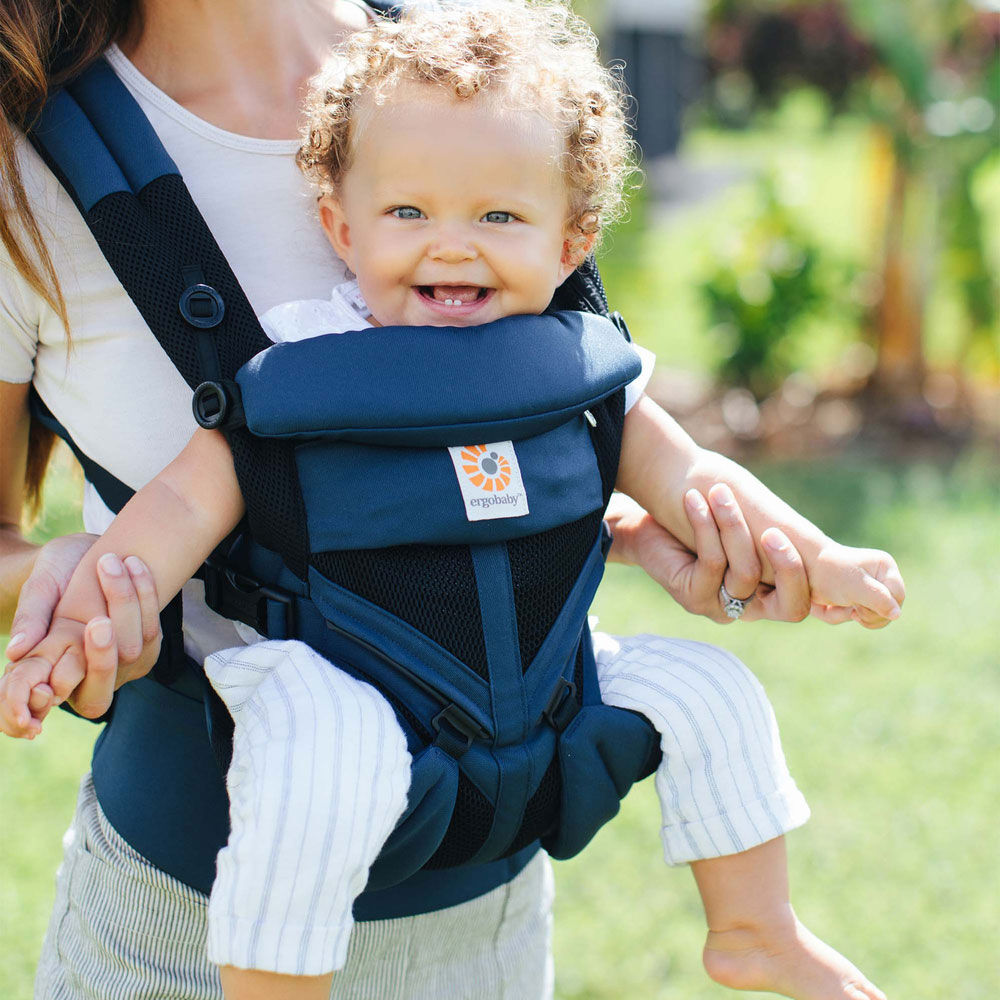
<point x="486" y="469"/>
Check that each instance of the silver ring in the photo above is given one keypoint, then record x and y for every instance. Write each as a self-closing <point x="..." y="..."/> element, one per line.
<point x="734" y="606"/>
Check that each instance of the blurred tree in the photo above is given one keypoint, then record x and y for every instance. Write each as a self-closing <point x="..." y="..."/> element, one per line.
<point x="937" y="61"/>
<point x="927" y="75"/>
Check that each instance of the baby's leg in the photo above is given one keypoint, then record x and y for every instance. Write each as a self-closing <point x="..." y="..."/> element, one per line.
<point x="318" y="780"/>
<point x="755" y="941"/>
<point x="727" y="799"/>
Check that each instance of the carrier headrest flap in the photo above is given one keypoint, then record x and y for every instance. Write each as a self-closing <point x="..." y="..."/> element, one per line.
<point x="437" y="386"/>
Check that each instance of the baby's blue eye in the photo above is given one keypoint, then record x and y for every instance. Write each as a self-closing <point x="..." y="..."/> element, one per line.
<point x="498" y="217"/>
<point x="407" y="212"/>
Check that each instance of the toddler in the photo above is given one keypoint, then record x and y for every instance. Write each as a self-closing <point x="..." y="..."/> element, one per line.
<point x="466" y="160"/>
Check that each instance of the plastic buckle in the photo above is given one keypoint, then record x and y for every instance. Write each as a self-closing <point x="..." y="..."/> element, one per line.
<point x="607" y="539"/>
<point x="456" y="731"/>
<point x="235" y="595"/>
<point x="562" y="707"/>
<point x="201" y="306"/>
<point x="218" y="405"/>
<point x="619" y="321"/>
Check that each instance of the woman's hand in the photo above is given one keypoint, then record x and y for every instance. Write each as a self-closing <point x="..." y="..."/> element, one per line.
<point x="725" y="555"/>
<point x="120" y="647"/>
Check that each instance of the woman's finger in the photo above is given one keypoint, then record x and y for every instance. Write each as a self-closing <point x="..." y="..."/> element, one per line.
<point x="149" y="605"/>
<point x="788" y="600"/>
<point x="92" y="697"/>
<point x="123" y="606"/>
<point x="743" y="574"/>
<point x="710" y="564"/>
<point x="38" y="598"/>
<point x="54" y="565"/>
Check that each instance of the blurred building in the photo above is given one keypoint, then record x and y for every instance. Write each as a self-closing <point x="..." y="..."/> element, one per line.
<point x="659" y="42"/>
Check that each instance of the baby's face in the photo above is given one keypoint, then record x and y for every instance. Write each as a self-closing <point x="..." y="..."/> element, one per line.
<point x="453" y="213"/>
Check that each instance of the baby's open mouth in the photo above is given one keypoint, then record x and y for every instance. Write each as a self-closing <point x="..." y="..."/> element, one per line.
<point x="454" y="295"/>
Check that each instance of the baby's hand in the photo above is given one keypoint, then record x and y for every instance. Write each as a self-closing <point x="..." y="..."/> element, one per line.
<point x="862" y="585"/>
<point x="26" y="689"/>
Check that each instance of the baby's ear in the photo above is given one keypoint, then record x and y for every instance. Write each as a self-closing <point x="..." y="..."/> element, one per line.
<point x="335" y="225"/>
<point x="576" y="246"/>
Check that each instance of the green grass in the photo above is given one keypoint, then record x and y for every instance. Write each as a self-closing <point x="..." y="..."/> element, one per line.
<point x="892" y="735"/>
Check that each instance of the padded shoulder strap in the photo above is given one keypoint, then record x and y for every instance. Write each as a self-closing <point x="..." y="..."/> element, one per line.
<point x="100" y="145"/>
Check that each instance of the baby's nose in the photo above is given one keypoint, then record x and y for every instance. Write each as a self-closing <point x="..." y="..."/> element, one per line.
<point x="452" y="244"/>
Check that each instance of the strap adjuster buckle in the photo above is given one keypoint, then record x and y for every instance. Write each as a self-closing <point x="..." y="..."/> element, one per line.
<point x="218" y="405"/>
<point x="201" y="306"/>
<point x="268" y="610"/>
<point x="562" y="707"/>
<point x="456" y="730"/>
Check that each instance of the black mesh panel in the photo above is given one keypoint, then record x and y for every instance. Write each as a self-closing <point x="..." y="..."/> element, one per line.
<point x="470" y="826"/>
<point x="543" y="569"/>
<point x="583" y="290"/>
<point x="431" y="587"/>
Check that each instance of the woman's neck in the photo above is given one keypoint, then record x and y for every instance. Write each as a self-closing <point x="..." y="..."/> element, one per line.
<point x="241" y="65"/>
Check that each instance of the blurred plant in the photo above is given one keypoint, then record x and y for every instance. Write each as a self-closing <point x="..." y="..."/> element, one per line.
<point x="934" y="127"/>
<point x="926" y="73"/>
<point x="773" y="277"/>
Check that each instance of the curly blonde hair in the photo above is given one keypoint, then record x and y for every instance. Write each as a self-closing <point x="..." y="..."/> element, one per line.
<point x="535" y="52"/>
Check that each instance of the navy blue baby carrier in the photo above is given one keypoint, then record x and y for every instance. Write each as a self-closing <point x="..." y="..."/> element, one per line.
<point x="359" y="542"/>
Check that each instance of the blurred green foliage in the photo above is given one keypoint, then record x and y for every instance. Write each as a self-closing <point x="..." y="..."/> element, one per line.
<point x="771" y="277"/>
<point x="926" y="75"/>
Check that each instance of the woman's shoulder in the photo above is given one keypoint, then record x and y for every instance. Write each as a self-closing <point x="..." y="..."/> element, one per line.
<point x="20" y="304"/>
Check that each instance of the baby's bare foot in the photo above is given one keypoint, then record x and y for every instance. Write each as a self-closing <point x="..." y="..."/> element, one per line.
<point x="784" y="957"/>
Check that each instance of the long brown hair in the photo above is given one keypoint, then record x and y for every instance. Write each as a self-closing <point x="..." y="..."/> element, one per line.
<point x="43" y="43"/>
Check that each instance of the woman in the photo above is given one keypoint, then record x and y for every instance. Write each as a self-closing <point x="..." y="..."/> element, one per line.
<point x="222" y="86"/>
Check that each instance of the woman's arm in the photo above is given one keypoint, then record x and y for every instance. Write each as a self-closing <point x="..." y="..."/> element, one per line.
<point x="17" y="556"/>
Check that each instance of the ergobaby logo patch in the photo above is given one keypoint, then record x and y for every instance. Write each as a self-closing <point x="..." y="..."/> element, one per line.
<point x="490" y="480"/>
